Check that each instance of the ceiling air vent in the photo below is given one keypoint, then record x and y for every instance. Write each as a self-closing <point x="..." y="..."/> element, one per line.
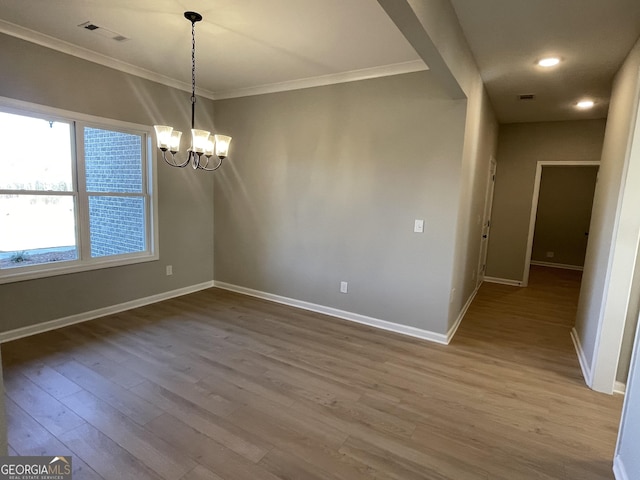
<point x="527" y="96"/>
<point x="103" y="32"/>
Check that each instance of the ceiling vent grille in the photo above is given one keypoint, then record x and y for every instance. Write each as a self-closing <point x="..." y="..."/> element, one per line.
<point x="527" y="96"/>
<point x="103" y="32"/>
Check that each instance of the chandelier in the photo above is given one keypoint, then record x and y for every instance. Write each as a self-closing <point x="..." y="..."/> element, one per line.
<point x="204" y="145"/>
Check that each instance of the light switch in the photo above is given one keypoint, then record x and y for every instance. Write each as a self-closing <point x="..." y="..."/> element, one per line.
<point x="418" y="226"/>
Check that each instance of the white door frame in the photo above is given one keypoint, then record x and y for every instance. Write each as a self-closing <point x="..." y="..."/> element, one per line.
<point x="486" y="220"/>
<point x="534" y="205"/>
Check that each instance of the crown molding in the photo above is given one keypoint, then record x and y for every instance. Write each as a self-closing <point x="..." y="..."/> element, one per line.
<point x="91" y="56"/>
<point x="86" y="54"/>
<point x="322" y="80"/>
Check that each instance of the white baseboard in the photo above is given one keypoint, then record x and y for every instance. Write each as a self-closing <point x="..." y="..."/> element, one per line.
<point x="557" y="265"/>
<point x="334" y="312"/>
<point x="582" y="359"/>
<point x="503" y="281"/>
<point x="454" y="328"/>
<point x="101" y="312"/>
<point x="619" y="470"/>
<point x="620" y="388"/>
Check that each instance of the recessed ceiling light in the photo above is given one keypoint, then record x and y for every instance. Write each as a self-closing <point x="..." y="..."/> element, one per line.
<point x="549" y="62"/>
<point x="585" y="104"/>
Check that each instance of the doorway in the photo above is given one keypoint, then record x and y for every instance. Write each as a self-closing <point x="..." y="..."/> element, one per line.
<point x="560" y="215"/>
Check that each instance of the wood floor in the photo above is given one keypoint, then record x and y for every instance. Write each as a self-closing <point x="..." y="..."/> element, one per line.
<point x="216" y="385"/>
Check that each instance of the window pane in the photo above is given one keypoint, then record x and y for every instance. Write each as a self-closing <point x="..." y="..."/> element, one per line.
<point x="36" y="229"/>
<point x="113" y="161"/>
<point x="23" y="167"/>
<point x="117" y="225"/>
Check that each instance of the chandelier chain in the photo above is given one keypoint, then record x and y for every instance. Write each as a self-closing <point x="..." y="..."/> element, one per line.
<point x="193" y="66"/>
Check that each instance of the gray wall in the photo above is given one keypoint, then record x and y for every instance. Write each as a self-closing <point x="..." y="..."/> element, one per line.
<point x="40" y="75"/>
<point x="520" y="147"/>
<point x="324" y="186"/>
<point x="564" y="213"/>
<point x="601" y="308"/>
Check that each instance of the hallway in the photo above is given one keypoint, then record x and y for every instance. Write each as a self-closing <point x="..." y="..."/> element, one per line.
<point x="524" y="335"/>
<point x="530" y="326"/>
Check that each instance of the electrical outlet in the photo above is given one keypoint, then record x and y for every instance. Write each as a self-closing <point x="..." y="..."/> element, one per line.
<point x="343" y="287"/>
<point x="169" y="270"/>
<point x="453" y="295"/>
<point x="418" y="226"/>
<point x="550" y="254"/>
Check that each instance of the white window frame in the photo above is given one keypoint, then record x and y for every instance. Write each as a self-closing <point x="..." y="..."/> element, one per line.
<point x="78" y="121"/>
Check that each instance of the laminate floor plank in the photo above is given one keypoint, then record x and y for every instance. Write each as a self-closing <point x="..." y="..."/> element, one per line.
<point x="120" y="398"/>
<point x="104" y="366"/>
<point x="201" y="473"/>
<point x="215" y="427"/>
<point x="312" y="448"/>
<point x="396" y="467"/>
<point x="217" y="385"/>
<point x="213" y="455"/>
<point x="45" y="409"/>
<point x="242" y="390"/>
<point x="151" y="450"/>
<point x="287" y="466"/>
<point x="28" y="438"/>
<point x="51" y="381"/>
<point x="105" y="456"/>
<point x="192" y="392"/>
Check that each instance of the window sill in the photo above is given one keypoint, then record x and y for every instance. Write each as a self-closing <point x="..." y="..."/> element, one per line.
<point x="20" y="274"/>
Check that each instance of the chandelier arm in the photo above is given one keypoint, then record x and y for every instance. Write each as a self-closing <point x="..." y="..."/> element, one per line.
<point x="173" y="160"/>
<point x="206" y="168"/>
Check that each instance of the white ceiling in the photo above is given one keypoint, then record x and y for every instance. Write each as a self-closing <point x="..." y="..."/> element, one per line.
<point x="253" y="46"/>
<point x="240" y="44"/>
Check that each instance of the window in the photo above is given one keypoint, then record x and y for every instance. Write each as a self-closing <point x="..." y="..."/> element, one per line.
<point x="75" y="192"/>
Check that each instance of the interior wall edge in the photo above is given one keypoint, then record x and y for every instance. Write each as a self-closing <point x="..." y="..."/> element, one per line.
<point x="619" y="469"/>
<point x="582" y="358"/>
<point x="454" y="328"/>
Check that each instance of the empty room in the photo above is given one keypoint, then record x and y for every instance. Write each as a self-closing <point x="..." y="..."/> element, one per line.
<point x="337" y="239"/>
